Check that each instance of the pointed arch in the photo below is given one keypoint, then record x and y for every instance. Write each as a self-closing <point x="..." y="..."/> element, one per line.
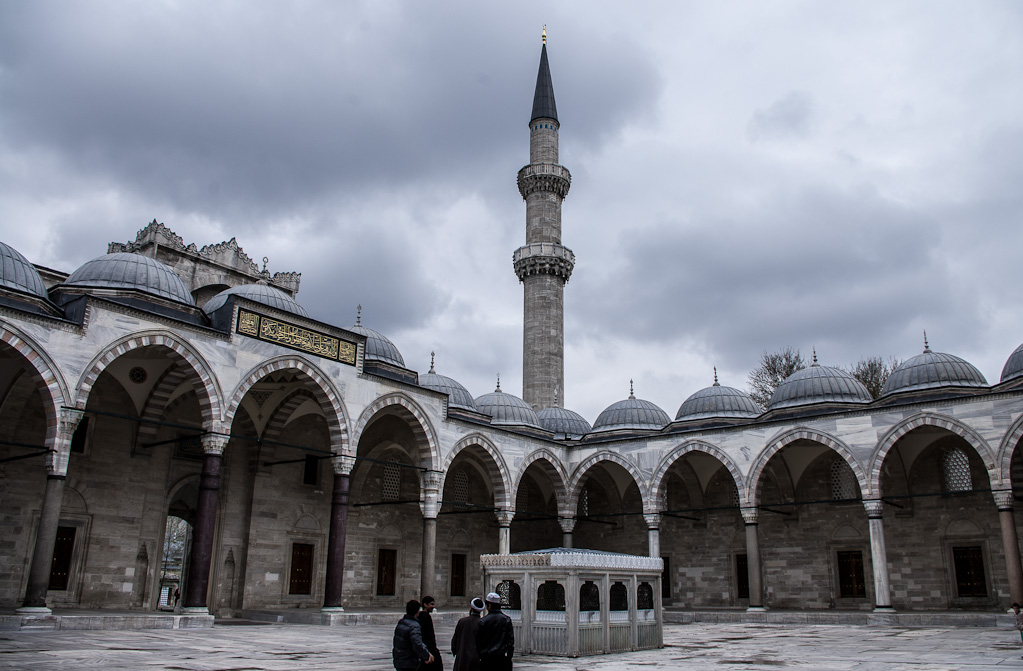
<point x="48" y="380"/>
<point x="786" y="438"/>
<point x="954" y="426"/>
<point x="555" y="468"/>
<point x="282" y="413"/>
<point x="324" y="392"/>
<point x="1005" y="451"/>
<point x="496" y="467"/>
<point x="422" y="429"/>
<point x="651" y="496"/>
<point x="594" y="459"/>
<point x="199" y="370"/>
<point x="156" y="404"/>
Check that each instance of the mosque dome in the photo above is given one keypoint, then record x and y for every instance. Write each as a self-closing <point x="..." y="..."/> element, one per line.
<point x="259" y="293"/>
<point x="457" y="394"/>
<point x="818" y="384"/>
<point x="378" y="347"/>
<point x="632" y="413"/>
<point x="124" y="270"/>
<point x="561" y="420"/>
<point x="1014" y="366"/>
<point x="717" y="402"/>
<point x="506" y="409"/>
<point x="17" y="273"/>
<point x="933" y="370"/>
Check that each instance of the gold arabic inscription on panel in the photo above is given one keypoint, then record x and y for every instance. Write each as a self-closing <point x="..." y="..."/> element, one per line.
<point x="295" y="337"/>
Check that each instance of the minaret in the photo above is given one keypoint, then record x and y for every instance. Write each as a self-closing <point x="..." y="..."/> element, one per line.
<point x="543" y="265"/>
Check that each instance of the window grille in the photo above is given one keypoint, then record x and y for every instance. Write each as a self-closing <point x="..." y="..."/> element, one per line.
<point x="955" y="468"/>
<point x="843" y="481"/>
<point x="460" y="488"/>
<point x="644" y="596"/>
<point x="392" y="480"/>
<point x="664" y="497"/>
<point x="589" y="596"/>
<point x="550" y="596"/>
<point x="584" y="503"/>
<point x="511" y="594"/>
<point x="619" y="597"/>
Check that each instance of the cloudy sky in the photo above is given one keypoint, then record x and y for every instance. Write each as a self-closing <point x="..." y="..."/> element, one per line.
<point x="746" y="175"/>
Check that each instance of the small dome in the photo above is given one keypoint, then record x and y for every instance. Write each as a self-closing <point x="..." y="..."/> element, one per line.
<point x="560" y="420"/>
<point x="718" y="402"/>
<point x="818" y="384"/>
<point x="932" y="370"/>
<point x="259" y="293"/>
<point x="632" y="413"/>
<point x="17" y="273"/>
<point x="505" y="409"/>
<point x="457" y="394"/>
<point x="125" y="270"/>
<point x="378" y="347"/>
<point x="1014" y="366"/>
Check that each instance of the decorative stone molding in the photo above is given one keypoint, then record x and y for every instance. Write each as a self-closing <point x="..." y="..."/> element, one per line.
<point x="214" y="443"/>
<point x="543" y="258"/>
<point x="653" y="520"/>
<point x="504" y="517"/>
<point x="343" y="464"/>
<point x="429" y="497"/>
<point x="874" y="508"/>
<point x="567" y="524"/>
<point x="573" y="559"/>
<point x="1004" y="498"/>
<point x="544" y="177"/>
<point x="750" y="515"/>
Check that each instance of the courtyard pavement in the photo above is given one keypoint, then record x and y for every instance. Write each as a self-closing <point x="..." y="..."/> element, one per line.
<point x="272" y="647"/>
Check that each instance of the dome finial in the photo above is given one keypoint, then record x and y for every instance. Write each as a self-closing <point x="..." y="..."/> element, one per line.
<point x="432" y="355"/>
<point x="358" y="315"/>
<point x="927" y="348"/>
<point x="498" y="383"/>
<point x="632" y="394"/>
<point x="716" y="384"/>
<point x="814" y="357"/>
<point x="543" y="35"/>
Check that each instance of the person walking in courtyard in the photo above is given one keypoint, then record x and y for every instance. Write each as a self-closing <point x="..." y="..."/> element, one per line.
<point x="1019" y="620"/>
<point x="463" y="643"/>
<point x="429" y="635"/>
<point x="408" y="650"/>
<point x="495" y="640"/>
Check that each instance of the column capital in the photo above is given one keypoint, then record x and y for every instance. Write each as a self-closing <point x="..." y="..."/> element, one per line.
<point x="68" y="421"/>
<point x="342" y="464"/>
<point x="1004" y="499"/>
<point x="750" y="515"/>
<point x="567" y="524"/>
<point x="505" y="517"/>
<point x="653" y="520"/>
<point x="214" y="443"/>
<point x="874" y="508"/>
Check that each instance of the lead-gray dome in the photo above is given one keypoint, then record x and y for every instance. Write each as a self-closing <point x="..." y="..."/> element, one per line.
<point x="818" y="384"/>
<point x="506" y="409"/>
<point x="17" y="273"/>
<point x="124" y="270"/>
<point x="932" y="370"/>
<point x="717" y="402"/>
<point x="457" y="394"/>
<point x="562" y="420"/>
<point x="378" y="347"/>
<point x="259" y="293"/>
<point x="1014" y="365"/>
<point x="632" y="413"/>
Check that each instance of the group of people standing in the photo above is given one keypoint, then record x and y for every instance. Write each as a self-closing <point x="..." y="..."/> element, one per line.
<point x="479" y="643"/>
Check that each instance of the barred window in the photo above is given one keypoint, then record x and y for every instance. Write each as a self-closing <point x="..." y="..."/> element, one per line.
<point x="589" y="596"/>
<point x="955" y="471"/>
<point x="511" y="594"/>
<point x="550" y="596"/>
<point x="644" y="596"/>
<point x="392" y="480"/>
<point x="664" y="497"/>
<point x="843" y="481"/>
<point x="460" y="487"/>
<point x="584" y="503"/>
<point x="619" y="597"/>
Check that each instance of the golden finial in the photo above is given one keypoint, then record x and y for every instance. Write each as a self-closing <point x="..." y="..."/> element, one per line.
<point x="543" y="35"/>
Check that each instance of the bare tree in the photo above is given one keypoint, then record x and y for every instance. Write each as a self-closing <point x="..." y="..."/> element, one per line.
<point x="774" y="367"/>
<point x="873" y="372"/>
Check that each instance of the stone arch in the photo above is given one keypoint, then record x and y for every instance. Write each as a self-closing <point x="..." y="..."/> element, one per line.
<point x="651" y="496"/>
<point x="420" y="424"/>
<point x="282" y="413"/>
<point x="157" y="403"/>
<point x="496" y="467"/>
<point x="207" y="387"/>
<point x="954" y="426"/>
<point x="752" y="492"/>
<point x="603" y="455"/>
<point x="49" y="382"/>
<point x="324" y="391"/>
<point x="556" y="469"/>
<point x="1005" y="451"/>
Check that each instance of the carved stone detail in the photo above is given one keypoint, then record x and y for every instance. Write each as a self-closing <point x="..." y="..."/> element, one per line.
<point x="750" y="515"/>
<point x="1004" y="498"/>
<point x="504" y="517"/>
<point x="543" y="258"/>
<point x="580" y="558"/>
<point x="874" y="508"/>
<point x="214" y="443"/>
<point x="544" y="177"/>
<point x="343" y="464"/>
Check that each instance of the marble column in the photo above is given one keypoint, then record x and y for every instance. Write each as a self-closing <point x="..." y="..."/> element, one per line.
<point x="504" y="520"/>
<point x="878" y="556"/>
<point x="197" y="587"/>
<point x="756" y="582"/>
<point x="429" y="503"/>
<point x="653" y="525"/>
<point x="567" y="527"/>
<point x="338" y="529"/>
<point x="49" y="516"/>
<point x="1004" y="500"/>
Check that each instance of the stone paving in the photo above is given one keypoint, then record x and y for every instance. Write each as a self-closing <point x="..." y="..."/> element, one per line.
<point x="275" y="647"/>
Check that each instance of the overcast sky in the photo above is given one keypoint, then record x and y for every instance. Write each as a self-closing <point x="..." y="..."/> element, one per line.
<point x="746" y="175"/>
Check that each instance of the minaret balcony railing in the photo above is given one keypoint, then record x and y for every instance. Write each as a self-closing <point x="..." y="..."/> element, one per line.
<point x="543" y="258"/>
<point x="547" y="177"/>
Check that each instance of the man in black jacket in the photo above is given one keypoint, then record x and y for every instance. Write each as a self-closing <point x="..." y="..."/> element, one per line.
<point x="495" y="640"/>
<point x="463" y="643"/>
<point x="408" y="650"/>
<point x="429" y="635"/>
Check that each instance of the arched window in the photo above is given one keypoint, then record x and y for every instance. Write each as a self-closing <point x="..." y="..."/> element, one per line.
<point x="955" y="471"/>
<point x="619" y="597"/>
<point x="511" y="594"/>
<point x="550" y="596"/>
<point x="843" y="481"/>
<point x="589" y="596"/>
<point x="644" y="596"/>
<point x="392" y="480"/>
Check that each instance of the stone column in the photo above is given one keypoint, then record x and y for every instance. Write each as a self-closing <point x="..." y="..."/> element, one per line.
<point x="338" y="529"/>
<point x="567" y="527"/>
<point x="756" y="583"/>
<point x="49" y="516"/>
<point x="1004" y="500"/>
<point x="878" y="556"/>
<point x="653" y="525"/>
<point x="504" y="520"/>
<point x="429" y="503"/>
<point x="197" y="588"/>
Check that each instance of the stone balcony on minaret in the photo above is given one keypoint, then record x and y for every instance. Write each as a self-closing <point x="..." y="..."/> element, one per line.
<point x="543" y="258"/>
<point x="547" y="177"/>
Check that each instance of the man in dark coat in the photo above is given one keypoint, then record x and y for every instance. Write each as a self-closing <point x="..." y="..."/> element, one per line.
<point x="408" y="650"/>
<point x="463" y="643"/>
<point x="429" y="635"/>
<point x="495" y="640"/>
